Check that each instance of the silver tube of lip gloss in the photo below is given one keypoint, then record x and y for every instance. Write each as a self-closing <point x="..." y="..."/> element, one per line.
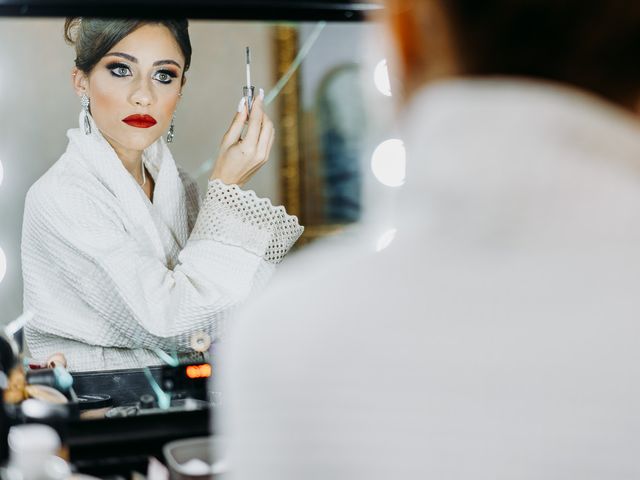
<point x="248" y="90"/>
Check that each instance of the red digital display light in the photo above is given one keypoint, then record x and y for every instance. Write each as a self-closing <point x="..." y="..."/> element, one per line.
<point x="199" y="371"/>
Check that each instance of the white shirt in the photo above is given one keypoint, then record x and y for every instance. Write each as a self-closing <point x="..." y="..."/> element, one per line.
<point x="495" y="338"/>
<point x="113" y="279"/>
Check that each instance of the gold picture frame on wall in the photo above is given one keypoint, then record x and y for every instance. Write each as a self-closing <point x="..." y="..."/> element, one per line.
<point x="300" y="166"/>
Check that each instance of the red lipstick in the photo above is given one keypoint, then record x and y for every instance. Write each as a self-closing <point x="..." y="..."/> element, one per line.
<point x="140" y="121"/>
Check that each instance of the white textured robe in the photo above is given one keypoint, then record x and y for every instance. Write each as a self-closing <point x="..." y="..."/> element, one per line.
<point x="112" y="277"/>
<point x="496" y="337"/>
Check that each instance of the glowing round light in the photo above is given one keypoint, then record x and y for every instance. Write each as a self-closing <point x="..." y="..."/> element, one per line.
<point x="388" y="162"/>
<point x="381" y="78"/>
<point x="3" y="264"/>
<point x="1" y="172"/>
<point x="385" y="239"/>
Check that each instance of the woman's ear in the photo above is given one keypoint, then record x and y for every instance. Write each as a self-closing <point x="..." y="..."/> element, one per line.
<point x="184" y="80"/>
<point x="80" y="81"/>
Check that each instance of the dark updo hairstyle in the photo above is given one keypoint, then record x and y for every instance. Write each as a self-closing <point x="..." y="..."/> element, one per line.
<point x="94" y="37"/>
<point x="593" y="44"/>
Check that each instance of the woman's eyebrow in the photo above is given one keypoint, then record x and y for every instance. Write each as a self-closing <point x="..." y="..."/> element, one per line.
<point x="165" y="62"/>
<point x="133" y="59"/>
<point x="123" y="55"/>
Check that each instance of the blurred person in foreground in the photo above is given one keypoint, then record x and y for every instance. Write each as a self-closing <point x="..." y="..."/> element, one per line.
<point x="497" y="336"/>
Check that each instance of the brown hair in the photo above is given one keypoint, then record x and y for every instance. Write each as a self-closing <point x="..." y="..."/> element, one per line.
<point x="94" y="37"/>
<point x="594" y="44"/>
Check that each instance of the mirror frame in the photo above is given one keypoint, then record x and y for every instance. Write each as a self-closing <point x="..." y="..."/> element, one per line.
<point x="274" y="10"/>
<point x="296" y="192"/>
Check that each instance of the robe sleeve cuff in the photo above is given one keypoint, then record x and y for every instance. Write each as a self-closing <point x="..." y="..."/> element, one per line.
<point x="239" y="217"/>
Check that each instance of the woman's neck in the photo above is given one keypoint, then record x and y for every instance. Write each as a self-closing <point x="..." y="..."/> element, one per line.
<point x="131" y="159"/>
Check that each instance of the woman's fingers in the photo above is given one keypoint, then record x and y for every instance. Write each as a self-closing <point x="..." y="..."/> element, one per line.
<point x="255" y="121"/>
<point x="240" y="158"/>
<point x="266" y="133"/>
<point x="237" y="125"/>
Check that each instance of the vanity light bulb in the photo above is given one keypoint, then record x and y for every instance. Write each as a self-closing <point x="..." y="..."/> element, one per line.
<point x="388" y="162"/>
<point x="3" y="264"/>
<point x="381" y="78"/>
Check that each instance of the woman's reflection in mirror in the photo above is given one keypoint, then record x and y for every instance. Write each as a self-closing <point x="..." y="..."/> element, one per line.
<point x="122" y="259"/>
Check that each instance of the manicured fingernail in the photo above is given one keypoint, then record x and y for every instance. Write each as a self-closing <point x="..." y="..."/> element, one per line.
<point x="261" y="93"/>
<point x="241" y="105"/>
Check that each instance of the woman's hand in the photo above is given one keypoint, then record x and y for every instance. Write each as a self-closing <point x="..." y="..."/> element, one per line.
<point x="240" y="158"/>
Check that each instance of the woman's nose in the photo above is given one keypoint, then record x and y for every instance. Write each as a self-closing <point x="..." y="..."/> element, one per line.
<point x="142" y="94"/>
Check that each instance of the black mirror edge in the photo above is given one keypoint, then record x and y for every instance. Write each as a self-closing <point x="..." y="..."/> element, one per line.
<point x="247" y="10"/>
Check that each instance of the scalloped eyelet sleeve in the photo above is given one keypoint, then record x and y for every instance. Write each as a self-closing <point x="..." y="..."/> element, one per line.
<point x="239" y="217"/>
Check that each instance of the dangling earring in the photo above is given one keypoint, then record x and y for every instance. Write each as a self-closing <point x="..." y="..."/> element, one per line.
<point x="85" y="107"/>
<point x="171" y="133"/>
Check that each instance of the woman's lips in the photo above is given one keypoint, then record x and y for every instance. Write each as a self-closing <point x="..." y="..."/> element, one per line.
<point x="140" y="121"/>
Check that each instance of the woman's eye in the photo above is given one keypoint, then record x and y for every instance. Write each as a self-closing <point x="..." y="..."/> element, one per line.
<point x="120" y="70"/>
<point x="164" y="77"/>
